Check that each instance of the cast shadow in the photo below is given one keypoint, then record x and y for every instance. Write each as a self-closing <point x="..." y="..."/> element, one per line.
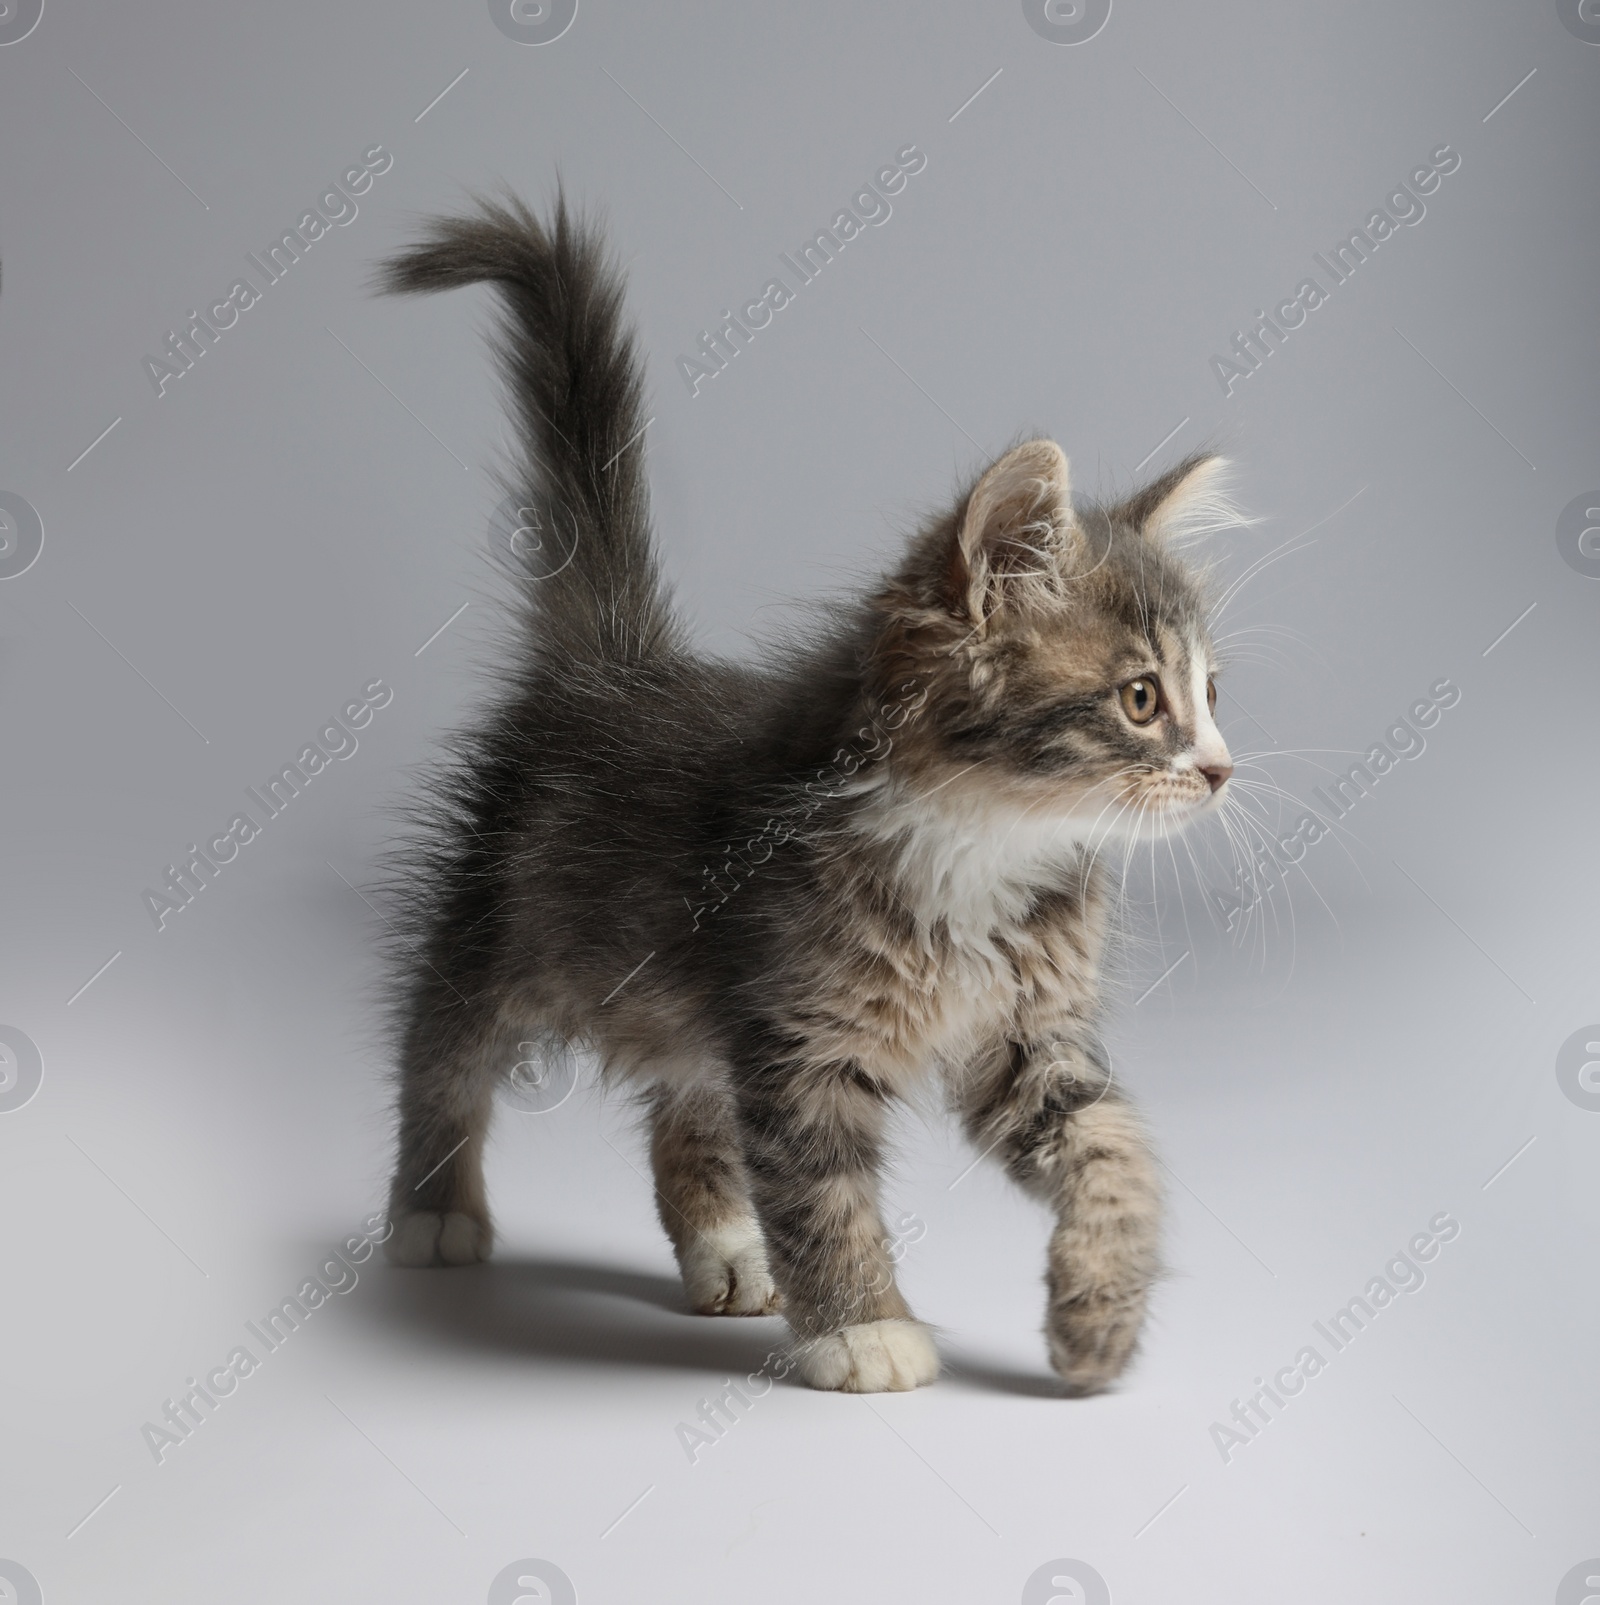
<point x="575" y="1310"/>
<point x="990" y="1377"/>
<point x="600" y="1314"/>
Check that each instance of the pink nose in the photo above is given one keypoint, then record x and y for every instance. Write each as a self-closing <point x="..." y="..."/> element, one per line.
<point x="1217" y="774"/>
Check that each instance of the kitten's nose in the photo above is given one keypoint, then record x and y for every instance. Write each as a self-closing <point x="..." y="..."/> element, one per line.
<point x="1216" y="774"/>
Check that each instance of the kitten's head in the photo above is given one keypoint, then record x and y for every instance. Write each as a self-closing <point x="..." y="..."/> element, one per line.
<point x="1065" y="655"/>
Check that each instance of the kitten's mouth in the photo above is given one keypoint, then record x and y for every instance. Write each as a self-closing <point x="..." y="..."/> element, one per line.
<point x="1173" y="801"/>
<point x="1161" y="803"/>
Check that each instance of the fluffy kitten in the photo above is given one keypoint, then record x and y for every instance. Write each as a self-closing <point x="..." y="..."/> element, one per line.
<point x="780" y="895"/>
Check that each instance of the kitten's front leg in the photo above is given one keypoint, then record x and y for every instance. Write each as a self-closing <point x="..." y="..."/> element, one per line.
<point x="812" y="1138"/>
<point x="1050" y="1111"/>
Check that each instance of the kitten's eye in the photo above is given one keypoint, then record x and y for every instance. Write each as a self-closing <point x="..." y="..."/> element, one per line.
<point x="1211" y="692"/>
<point x="1141" y="698"/>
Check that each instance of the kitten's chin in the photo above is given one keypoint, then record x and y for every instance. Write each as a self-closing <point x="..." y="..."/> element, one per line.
<point x="1181" y="814"/>
<point x="1163" y="824"/>
<point x="1201" y="807"/>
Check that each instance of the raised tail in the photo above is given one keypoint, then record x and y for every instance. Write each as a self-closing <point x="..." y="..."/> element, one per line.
<point x="575" y="382"/>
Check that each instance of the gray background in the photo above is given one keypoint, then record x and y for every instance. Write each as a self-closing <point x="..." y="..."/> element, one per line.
<point x="302" y="512"/>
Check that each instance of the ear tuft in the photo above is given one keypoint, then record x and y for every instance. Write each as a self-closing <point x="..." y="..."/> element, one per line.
<point x="1018" y="526"/>
<point x="1185" y="503"/>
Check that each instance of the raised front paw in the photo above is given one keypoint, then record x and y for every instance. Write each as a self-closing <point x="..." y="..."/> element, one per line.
<point x="425" y="1237"/>
<point x="876" y="1357"/>
<point x="1093" y="1336"/>
<point x="725" y="1272"/>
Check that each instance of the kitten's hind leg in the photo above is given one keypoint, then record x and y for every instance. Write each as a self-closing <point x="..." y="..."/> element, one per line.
<point x="451" y="1060"/>
<point x="1049" y="1111"/>
<point x="703" y="1199"/>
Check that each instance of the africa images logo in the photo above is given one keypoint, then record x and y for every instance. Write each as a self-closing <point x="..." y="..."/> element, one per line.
<point x="18" y="18"/>
<point x="1402" y="1274"/>
<point x="870" y="205"/>
<point x="1577" y="531"/>
<point x="21" y="533"/>
<point x="335" y="740"/>
<point x="1403" y="205"/>
<point x="335" y="208"/>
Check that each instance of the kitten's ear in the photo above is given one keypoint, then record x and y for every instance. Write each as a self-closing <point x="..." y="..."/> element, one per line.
<point x="1186" y="502"/>
<point x="1017" y="529"/>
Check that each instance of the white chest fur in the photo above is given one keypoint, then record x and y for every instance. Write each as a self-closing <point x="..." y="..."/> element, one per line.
<point x="973" y="872"/>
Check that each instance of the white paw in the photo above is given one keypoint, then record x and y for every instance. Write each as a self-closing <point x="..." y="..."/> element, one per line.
<point x="425" y="1238"/>
<point x="725" y="1272"/>
<point x="877" y="1357"/>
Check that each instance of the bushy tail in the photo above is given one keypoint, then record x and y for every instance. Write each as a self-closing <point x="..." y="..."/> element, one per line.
<point x="575" y="383"/>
